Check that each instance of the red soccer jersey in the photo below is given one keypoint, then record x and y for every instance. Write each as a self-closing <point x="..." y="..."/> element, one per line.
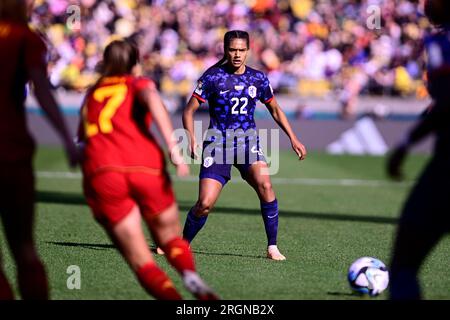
<point x="115" y="128"/>
<point x="20" y="51"/>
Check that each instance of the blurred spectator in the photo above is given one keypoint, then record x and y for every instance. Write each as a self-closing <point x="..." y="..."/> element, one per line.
<point x="307" y="47"/>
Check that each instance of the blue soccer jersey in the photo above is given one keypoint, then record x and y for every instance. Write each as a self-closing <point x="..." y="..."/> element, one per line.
<point x="437" y="48"/>
<point x="232" y="97"/>
<point x="232" y="100"/>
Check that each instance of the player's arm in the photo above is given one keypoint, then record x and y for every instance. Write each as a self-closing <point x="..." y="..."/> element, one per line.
<point x="438" y="115"/>
<point x="188" y="124"/>
<point x="280" y="118"/>
<point x="151" y="98"/>
<point x="428" y="123"/>
<point x="36" y="68"/>
<point x="48" y="103"/>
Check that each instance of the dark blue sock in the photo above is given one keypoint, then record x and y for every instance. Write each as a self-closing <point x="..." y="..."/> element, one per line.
<point x="269" y="211"/>
<point x="193" y="225"/>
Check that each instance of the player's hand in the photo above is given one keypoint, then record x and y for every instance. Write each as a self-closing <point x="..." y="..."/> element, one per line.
<point x="193" y="147"/>
<point x="299" y="149"/>
<point x="182" y="170"/>
<point x="177" y="160"/>
<point x="395" y="162"/>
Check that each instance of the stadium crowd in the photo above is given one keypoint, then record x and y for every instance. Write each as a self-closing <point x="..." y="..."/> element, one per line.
<point x="306" y="47"/>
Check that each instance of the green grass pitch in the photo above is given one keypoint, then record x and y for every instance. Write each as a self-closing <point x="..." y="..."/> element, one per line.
<point x="325" y="224"/>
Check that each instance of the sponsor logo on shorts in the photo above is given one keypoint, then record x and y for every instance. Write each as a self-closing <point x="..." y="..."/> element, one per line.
<point x="208" y="162"/>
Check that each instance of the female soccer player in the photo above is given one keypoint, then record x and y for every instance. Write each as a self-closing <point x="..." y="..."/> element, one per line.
<point x="232" y="89"/>
<point x="425" y="217"/>
<point x="22" y="59"/>
<point x="125" y="175"/>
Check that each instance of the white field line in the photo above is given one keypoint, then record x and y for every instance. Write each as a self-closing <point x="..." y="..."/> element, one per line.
<point x="276" y="181"/>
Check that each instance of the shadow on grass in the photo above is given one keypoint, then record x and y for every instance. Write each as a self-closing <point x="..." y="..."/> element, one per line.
<point x="78" y="199"/>
<point x="221" y="254"/>
<point x="94" y="246"/>
<point x="102" y="246"/>
<point x="229" y="254"/>
<point x="184" y="206"/>
<point x="60" y="198"/>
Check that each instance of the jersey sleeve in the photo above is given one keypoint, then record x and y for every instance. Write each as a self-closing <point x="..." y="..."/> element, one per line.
<point x="266" y="91"/>
<point x="203" y="88"/>
<point x="35" y="52"/>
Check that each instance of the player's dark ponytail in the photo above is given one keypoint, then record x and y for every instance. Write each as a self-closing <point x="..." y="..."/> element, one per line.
<point x="230" y="35"/>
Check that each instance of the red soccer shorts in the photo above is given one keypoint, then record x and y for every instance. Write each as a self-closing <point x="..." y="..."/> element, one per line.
<point x="112" y="194"/>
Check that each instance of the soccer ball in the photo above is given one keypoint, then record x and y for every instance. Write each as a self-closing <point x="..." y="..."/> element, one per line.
<point x="368" y="276"/>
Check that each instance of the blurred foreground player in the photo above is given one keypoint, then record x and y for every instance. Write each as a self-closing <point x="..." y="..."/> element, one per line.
<point x="426" y="213"/>
<point x="125" y="176"/>
<point x="22" y="59"/>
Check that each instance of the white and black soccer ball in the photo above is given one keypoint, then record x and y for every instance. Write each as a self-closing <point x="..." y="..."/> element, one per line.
<point x="368" y="275"/>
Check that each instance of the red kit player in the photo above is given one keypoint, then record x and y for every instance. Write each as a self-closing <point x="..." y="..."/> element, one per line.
<point x="125" y="178"/>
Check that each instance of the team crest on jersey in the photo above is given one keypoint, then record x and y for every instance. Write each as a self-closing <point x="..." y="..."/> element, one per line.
<point x="252" y="91"/>
<point x="199" y="88"/>
<point x="207" y="162"/>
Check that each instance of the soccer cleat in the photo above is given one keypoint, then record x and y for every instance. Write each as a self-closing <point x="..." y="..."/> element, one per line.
<point x="195" y="285"/>
<point x="274" y="254"/>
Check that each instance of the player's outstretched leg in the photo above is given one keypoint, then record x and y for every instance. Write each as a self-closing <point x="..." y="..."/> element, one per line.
<point x="165" y="228"/>
<point x="129" y="238"/>
<point x="269" y="211"/>
<point x="197" y="216"/>
<point x="269" y="206"/>
<point x="194" y="223"/>
<point x="209" y="191"/>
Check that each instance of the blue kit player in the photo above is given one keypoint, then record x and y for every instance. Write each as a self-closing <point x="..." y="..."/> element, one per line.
<point x="425" y="218"/>
<point x="232" y="90"/>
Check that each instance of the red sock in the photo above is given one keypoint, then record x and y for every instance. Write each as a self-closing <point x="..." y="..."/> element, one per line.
<point x="179" y="255"/>
<point x="33" y="281"/>
<point x="157" y="283"/>
<point x="5" y="289"/>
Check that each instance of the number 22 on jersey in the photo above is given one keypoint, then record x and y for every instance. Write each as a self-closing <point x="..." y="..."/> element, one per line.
<point x="242" y="109"/>
<point x="116" y="95"/>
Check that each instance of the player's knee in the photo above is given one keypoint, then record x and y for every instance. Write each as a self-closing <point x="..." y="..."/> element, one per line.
<point x="203" y="207"/>
<point x="266" y="188"/>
